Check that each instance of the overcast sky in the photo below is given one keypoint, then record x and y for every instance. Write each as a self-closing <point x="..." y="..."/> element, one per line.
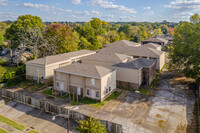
<point x="108" y="10"/>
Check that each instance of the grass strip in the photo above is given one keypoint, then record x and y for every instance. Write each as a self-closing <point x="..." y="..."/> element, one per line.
<point x="14" y="124"/>
<point x="3" y="131"/>
<point x="95" y="103"/>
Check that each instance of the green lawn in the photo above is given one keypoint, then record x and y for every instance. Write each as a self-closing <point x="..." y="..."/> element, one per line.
<point x="3" y="131"/>
<point x="97" y="104"/>
<point x="14" y="124"/>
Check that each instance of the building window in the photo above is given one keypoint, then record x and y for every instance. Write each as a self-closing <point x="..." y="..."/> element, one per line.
<point x="88" y="92"/>
<point x="57" y="84"/>
<point x="93" y="82"/>
<point x="135" y="56"/>
<point x="144" y="57"/>
<point x="109" y="89"/>
<point x="97" y="94"/>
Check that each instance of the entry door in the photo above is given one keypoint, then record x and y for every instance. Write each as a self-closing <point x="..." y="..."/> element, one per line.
<point x="93" y="94"/>
<point x="79" y="90"/>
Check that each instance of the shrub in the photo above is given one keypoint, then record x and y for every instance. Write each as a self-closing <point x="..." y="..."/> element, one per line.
<point x="3" y="61"/>
<point x="90" y="125"/>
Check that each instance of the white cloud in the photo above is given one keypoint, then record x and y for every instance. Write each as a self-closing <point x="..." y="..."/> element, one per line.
<point x="111" y="6"/>
<point x="151" y="12"/>
<point x="64" y="10"/>
<point x="183" y="9"/>
<point x="95" y="12"/>
<point x="76" y="1"/>
<point x="147" y="8"/>
<point x="109" y="16"/>
<point x="183" y="5"/>
<point x="81" y="13"/>
<point x="182" y="15"/>
<point x="126" y="18"/>
<point x="31" y="5"/>
<point x="2" y="3"/>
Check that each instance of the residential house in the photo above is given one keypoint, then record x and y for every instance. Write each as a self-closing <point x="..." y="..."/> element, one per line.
<point x="128" y="77"/>
<point x="42" y="69"/>
<point x="86" y="80"/>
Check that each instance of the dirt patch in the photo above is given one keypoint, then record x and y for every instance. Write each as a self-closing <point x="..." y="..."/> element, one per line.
<point x="159" y="116"/>
<point x="181" y="128"/>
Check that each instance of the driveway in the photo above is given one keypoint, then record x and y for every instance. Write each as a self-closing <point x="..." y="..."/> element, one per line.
<point x="32" y="117"/>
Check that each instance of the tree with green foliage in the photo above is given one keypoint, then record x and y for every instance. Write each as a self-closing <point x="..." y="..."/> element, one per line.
<point x="111" y="36"/>
<point x="84" y="44"/>
<point x="157" y="32"/>
<point x="24" y="22"/>
<point x="63" y="37"/>
<point x="164" y="28"/>
<point x="185" y="52"/>
<point x="1" y="39"/>
<point x="90" y="126"/>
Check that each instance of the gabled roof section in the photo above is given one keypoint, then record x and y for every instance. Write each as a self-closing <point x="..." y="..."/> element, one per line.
<point x="136" y="64"/>
<point x="152" y="45"/>
<point x="86" y="70"/>
<point x="108" y="56"/>
<point x="124" y="43"/>
<point x="61" y="57"/>
<point x="134" y="51"/>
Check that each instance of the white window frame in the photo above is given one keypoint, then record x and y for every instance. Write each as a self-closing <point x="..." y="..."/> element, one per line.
<point x="109" y="89"/>
<point x="57" y="83"/>
<point x="87" y="90"/>
<point x="93" y="82"/>
<point x="96" y="94"/>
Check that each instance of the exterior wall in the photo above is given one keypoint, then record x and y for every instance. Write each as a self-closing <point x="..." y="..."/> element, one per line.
<point x="149" y="74"/>
<point x="72" y="82"/>
<point x="108" y="81"/>
<point x="49" y="70"/>
<point x="161" y="61"/>
<point x="128" y="85"/>
<point x="33" y="71"/>
<point x="128" y="75"/>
